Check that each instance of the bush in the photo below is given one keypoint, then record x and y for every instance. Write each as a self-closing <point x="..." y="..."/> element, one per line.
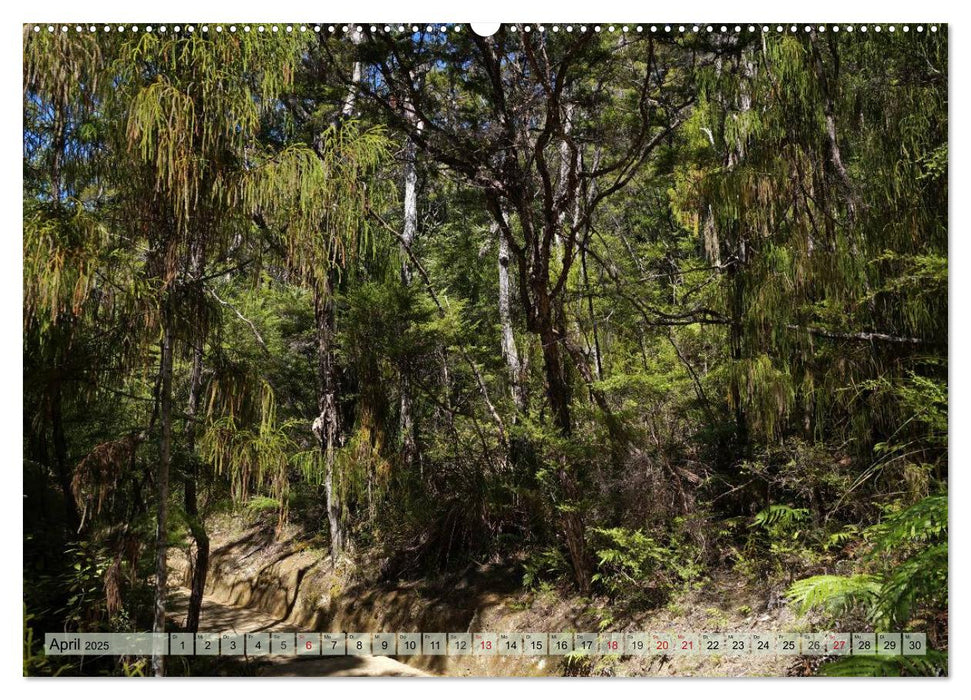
<point x="631" y="564"/>
<point x="901" y="583"/>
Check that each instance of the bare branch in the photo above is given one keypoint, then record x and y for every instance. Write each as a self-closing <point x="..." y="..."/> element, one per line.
<point x="259" y="338"/>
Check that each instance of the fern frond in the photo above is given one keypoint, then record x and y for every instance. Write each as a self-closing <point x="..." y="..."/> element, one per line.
<point x="777" y="514"/>
<point x="871" y="666"/>
<point x="835" y="594"/>
<point x="920" y="579"/>
<point x="925" y="521"/>
<point x="934" y="663"/>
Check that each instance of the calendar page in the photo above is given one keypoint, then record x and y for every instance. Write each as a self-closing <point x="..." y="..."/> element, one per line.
<point x="445" y="349"/>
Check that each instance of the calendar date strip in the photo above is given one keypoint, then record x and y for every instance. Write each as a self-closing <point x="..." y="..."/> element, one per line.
<point x="405" y="644"/>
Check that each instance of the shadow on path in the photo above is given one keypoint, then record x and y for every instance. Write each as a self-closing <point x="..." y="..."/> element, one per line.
<point x="217" y="617"/>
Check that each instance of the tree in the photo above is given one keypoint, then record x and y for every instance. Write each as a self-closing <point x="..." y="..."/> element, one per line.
<point x="180" y="141"/>
<point x="513" y="126"/>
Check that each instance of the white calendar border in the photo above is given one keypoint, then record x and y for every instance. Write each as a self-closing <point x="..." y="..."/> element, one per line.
<point x="11" y="589"/>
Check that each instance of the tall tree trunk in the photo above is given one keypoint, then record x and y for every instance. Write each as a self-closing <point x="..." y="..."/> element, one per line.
<point x="57" y="152"/>
<point x="409" y="445"/>
<point x="558" y="392"/>
<point x="566" y="165"/>
<point x="509" y="350"/>
<point x="199" y="566"/>
<point x="827" y="84"/>
<point x="165" y="455"/>
<point x="598" y="360"/>
<point x="347" y="108"/>
<point x="327" y="425"/>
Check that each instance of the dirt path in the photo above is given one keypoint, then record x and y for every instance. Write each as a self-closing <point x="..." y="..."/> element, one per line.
<point x="260" y="577"/>
<point x="217" y="617"/>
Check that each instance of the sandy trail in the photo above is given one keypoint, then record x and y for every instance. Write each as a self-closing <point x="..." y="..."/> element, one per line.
<point x="218" y="617"/>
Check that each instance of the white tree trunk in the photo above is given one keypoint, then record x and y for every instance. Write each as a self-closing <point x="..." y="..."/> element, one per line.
<point x="409" y="447"/>
<point x="347" y="109"/>
<point x="565" y="164"/>
<point x="411" y="198"/>
<point x="509" y="350"/>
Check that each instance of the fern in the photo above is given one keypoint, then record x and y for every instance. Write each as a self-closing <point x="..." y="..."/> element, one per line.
<point x="925" y="521"/>
<point x="920" y="579"/>
<point x="933" y="664"/>
<point x="779" y="515"/>
<point x="870" y="666"/>
<point x="627" y="560"/>
<point x="835" y="594"/>
<point x="905" y="573"/>
<point x="843" y="537"/>
<point x="261" y="504"/>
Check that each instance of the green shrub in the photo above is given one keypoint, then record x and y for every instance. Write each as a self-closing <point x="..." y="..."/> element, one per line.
<point x="902" y="580"/>
<point x="629" y="562"/>
<point x="544" y="564"/>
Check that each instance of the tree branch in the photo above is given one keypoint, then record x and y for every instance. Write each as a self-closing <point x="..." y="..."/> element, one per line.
<point x="860" y="336"/>
<point x="252" y="326"/>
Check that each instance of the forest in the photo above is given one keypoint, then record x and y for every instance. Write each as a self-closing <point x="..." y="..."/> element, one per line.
<point x="621" y="312"/>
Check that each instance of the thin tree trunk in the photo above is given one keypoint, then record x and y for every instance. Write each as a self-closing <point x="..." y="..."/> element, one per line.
<point x="200" y="566"/>
<point x="410" y="229"/>
<point x="598" y="360"/>
<point x="559" y="395"/>
<point x="165" y="454"/>
<point x="327" y="425"/>
<point x="509" y="350"/>
<point x="57" y="150"/>
<point x="829" y="112"/>
<point x="566" y="164"/>
<point x="347" y="108"/>
<point x="409" y="445"/>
